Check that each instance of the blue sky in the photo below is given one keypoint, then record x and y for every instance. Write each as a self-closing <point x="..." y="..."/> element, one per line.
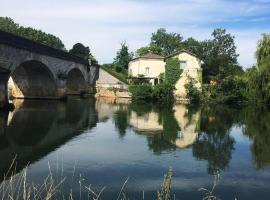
<point x="102" y="25"/>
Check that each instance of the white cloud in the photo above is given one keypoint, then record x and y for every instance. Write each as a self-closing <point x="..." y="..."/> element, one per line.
<point x="104" y="24"/>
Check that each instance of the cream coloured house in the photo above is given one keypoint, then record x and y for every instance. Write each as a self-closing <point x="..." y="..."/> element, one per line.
<point x="191" y="66"/>
<point x="150" y="66"/>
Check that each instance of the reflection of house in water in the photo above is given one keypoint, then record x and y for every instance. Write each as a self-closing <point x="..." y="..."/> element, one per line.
<point x="180" y="129"/>
<point x="189" y="123"/>
<point x="146" y="123"/>
<point x="108" y="106"/>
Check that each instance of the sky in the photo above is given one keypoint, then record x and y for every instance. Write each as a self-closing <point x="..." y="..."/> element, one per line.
<point x="104" y="24"/>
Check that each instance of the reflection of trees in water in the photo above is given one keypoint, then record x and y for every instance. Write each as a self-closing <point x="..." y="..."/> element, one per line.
<point x="164" y="140"/>
<point x="121" y="121"/>
<point x="214" y="143"/>
<point x="257" y="127"/>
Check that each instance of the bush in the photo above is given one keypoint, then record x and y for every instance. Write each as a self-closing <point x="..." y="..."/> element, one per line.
<point x="141" y="92"/>
<point x="172" y="71"/>
<point x="163" y="93"/>
<point x="193" y="94"/>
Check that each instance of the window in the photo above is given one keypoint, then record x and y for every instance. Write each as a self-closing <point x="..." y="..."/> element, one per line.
<point x="183" y="64"/>
<point x="147" y="71"/>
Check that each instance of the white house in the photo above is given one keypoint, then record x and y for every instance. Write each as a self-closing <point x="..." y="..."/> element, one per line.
<point x="150" y="66"/>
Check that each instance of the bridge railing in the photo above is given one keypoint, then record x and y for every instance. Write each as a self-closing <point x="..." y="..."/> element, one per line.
<point x="29" y="45"/>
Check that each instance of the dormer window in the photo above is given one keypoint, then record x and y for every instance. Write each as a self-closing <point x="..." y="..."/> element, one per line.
<point x="183" y="64"/>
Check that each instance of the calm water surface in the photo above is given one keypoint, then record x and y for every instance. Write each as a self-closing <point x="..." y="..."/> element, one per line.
<point x="104" y="142"/>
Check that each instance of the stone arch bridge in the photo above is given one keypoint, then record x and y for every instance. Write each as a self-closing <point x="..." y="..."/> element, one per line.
<point x="33" y="70"/>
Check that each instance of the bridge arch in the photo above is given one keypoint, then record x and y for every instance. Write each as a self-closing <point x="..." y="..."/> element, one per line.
<point x="32" y="79"/>
<point x="76" y="82"/>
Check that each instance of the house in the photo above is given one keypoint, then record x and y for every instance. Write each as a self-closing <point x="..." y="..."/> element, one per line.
<point x="151" y="66"/>
<point x="148" y="66"/>
<point x="191" y="66"/>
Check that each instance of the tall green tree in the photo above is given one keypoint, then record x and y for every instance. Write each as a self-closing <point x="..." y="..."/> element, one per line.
<point x="82" y="51"/>
<point x="258" y="77"/>
<point x="7" y="24"/>
<point x="263" y="49"/>
<point x="149" y="49"/>
<point x="123" y="56"/>
<point x="219" y="55"/>
<point x="194" y="46"/>
<point x="168" y="42"/>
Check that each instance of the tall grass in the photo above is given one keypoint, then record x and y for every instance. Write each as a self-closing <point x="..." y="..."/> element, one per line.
<point x="19" y="187"/>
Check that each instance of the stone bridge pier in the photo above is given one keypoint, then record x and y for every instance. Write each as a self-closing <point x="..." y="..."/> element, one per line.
<point x="3" y="88"/>
<point x="32" y="70"/>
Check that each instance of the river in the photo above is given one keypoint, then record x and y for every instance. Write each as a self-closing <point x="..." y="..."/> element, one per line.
<point x="105" y="142"/>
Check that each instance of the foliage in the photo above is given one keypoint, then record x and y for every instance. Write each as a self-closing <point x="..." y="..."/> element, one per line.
<point x="162" y="43"/>
<point x="172" y="71"/>
<point x="193" y="94"/>
<point x="141" y="92"/>
<point x="214" y="143"/>
<point x="82" y="51"/>
<point x="122" y="58"/>
<point x="231" y="90"/>
<point x="7" y="24"/>
<point x="167" y="42"/>
<point x="161" y="77"/>
<point x="258" y="77"/>
<point x="165" y="193"/>
<point x="163" y="93"/>
<point x="263" y="49"/>
<point x="219" y="56"/>
<point x="149" y="49"/>
<point x="194" y="46"/>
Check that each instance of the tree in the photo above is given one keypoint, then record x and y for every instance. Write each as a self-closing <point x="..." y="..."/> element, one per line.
<point x="82" y="51"/>
<point x="194" y="46"/>
<point x="123" y="56"/>
<point x="263" y="49"/>
<point x="258" y="77"/>
<point x="7" y="24"/>
<point x="149" y="49"/>
<point x="167" y="42"/>
<point x="219" y="54"/>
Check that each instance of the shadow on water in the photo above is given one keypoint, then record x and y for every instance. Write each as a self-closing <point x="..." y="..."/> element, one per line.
<point x="36" y="128"/>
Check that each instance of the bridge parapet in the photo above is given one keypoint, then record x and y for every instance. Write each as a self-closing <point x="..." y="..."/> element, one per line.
<point x="37" y="70"/>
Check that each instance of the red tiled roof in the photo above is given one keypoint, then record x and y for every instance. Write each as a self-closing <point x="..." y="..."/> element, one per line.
<point x="150" y="56"/>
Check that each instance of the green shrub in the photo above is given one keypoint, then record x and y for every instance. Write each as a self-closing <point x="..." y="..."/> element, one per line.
<point x="172" y="71"/>
<point x="193" y="94"/>
<point x="141" y="92"/>
<point x="163" y="93"/>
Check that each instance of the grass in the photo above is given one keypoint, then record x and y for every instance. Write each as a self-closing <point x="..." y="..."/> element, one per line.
<point x="121" y="76"/>
<point x="18" y="187"/>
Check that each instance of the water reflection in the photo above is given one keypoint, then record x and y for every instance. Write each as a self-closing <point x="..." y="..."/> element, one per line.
<point x="141" y="140"/>
<point x="36" y="128"/>
<point x="257" y="127"/>
<point x="166" y="128"/>
<point x="215" y="144"/>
